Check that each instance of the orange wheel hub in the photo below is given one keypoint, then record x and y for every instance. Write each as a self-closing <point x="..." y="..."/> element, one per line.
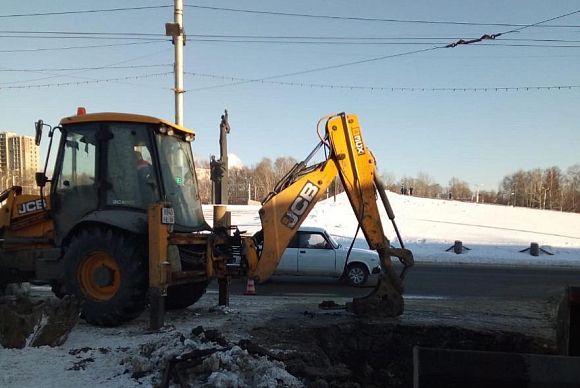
<point x="99" y="276"/>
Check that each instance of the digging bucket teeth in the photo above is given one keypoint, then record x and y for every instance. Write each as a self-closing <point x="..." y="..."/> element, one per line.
<point x="386" y="299"/>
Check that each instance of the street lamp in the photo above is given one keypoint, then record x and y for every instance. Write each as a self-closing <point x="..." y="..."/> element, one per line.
<point x="477" y="192"/>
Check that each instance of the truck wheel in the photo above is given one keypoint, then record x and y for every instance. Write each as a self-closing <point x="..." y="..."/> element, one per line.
<point x="357" y="274"/>
<point x="184" y="295"/>
<point x="108" y="271"/>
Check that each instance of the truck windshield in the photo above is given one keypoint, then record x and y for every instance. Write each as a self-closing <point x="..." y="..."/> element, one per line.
<point x="180" y="182"/>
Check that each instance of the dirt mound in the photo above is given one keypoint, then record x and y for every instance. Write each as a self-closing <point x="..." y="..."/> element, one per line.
<point x="205" y="359"/>
<point x="24" y="322"/>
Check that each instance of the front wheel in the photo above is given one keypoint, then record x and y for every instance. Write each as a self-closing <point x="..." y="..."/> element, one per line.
<point x="357" y="274"/>
<point x="107" y="270"/>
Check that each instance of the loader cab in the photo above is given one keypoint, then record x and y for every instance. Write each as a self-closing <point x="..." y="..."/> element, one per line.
<point x="111" y="167"/>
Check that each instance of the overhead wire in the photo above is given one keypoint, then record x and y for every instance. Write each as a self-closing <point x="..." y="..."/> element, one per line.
<point x="330" y="67"/>
<point x="368" y="19"/>
<point x="86" y="82"/>
<point x="150" y="36"/>
<point x="84" y="33"/>
<point x="85" y="68"/>
<point x="394" y="88"/>
<point x="314" y="70"/>
<point x="487" y="37"/>
<point x="16" y="15"/>
<point x="78" y="47"/>
<point x="287" y="14"/>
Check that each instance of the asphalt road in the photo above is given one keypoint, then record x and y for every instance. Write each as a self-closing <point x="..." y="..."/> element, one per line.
<point x="435" y="281"/>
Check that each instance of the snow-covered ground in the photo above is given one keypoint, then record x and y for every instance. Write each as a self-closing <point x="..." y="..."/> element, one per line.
<point x="110" y="357"/>
<point x="495" y="234"/>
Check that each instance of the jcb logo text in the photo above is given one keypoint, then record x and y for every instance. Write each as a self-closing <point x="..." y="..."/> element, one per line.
<point x="31" y="206"/>
<point x="298" y="208"/>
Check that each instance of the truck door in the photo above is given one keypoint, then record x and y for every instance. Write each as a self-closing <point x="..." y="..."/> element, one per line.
<point x="289" y="262"/>
<point x="316" y="256"/>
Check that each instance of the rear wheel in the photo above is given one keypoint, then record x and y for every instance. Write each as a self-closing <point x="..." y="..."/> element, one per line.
<point x="107" y="270"/>
<point x="184" y="295"/>
<point x="357" y="274"/>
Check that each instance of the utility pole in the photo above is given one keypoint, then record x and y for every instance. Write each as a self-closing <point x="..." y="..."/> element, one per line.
<point x="175" y="30"/>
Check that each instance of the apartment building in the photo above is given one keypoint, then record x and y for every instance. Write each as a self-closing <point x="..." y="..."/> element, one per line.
<point x="19" y="158"/>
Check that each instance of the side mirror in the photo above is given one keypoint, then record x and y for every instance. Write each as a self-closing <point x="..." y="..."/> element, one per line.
<point x="41" y="179"/>
<point x="38" y="126"/>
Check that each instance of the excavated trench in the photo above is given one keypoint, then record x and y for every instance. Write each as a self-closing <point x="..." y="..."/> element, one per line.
<point x="375" y="354"/>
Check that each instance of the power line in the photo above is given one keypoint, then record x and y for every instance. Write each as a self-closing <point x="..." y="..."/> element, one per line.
<point x="85" y="11"/>
<point x="87" y="82"/>
<point x="460" y="42"/>
<point x="74" y="74"/>
<point x="84" y="68"/>
<point x="78" y="47"/>
<point x="543" y="22"/>
<point x="29" y="37"/>
<point x="330" y="67"/>
<point x="391" y="88"/>
<point x="406" y="43"/>
<point x="142" y="35"/>
<point x="364" y="19"/>
<point x="352" y="42"/>
<point x="487" y="37"/>
<point x="81" y="33"/>
<point x="277" y="39"/>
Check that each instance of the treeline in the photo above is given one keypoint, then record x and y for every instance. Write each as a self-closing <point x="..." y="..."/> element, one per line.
<point x="542" y="189"/>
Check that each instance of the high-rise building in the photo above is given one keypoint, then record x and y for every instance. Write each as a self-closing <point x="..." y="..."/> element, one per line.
<point x="19" y="158"/>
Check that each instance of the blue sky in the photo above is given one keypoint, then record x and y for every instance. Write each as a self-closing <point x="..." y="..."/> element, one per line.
<point x="477" y="136"/>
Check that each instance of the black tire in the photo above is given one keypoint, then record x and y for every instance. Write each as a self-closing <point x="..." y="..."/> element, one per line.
<point x="107" y="270"/>
<point x="184" y="295"/>
<point x="357" y="274"/>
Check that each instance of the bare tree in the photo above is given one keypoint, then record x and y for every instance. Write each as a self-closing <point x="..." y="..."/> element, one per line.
<point x="459" y="189"/>
<point x="263" y="178"/>
<point x="570" y="193"/>
<point x="551" y="190"/>
<point x="282" y="166"/>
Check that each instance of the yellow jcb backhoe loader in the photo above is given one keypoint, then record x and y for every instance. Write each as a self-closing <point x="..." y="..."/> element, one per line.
<point x="121" y="225"/>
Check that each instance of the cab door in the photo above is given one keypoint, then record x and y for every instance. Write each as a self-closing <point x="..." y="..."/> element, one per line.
<point x="75" y="189"/>
<point x="316" y="257"/>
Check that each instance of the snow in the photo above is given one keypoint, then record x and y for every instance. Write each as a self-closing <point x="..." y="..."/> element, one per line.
<point x="495" y="234"/>
<point x="130" y="355"/>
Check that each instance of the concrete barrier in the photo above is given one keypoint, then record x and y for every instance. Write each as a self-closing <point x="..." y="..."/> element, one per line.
<point x="568" y="323"/>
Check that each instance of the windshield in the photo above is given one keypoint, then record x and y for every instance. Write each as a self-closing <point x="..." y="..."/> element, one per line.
<point x="180" y="182"/>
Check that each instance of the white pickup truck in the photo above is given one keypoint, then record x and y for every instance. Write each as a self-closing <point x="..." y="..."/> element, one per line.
<point x="313" y="252"/>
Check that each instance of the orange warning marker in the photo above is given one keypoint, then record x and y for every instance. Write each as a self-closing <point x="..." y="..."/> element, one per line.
<point x="250" y="287"/>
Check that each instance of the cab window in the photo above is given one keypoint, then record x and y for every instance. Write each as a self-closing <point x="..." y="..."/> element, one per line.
<point x="131" y="174"/>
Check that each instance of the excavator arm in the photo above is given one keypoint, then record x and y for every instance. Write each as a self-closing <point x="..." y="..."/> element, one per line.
<point x="288" y="205"/>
